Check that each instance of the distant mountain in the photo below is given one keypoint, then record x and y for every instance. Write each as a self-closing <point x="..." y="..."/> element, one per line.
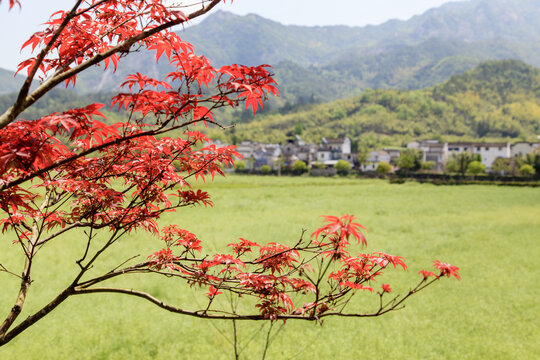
<point x="252" y="40"/>
<point x="515" y="20"/>
<point x="496" y="100"/>
<point x="9" y="82"/>
<point x="227" y="38"/>
<point x="326" y="63"/>
<point x="410" y="67"/>
<point x="332" y="62"/>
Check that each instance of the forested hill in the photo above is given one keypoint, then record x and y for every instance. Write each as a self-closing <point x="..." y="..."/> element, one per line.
<point x="334" y="62"/>
<point x="495" y="100"/>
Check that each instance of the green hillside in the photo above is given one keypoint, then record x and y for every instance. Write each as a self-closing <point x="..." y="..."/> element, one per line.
<point x="409" y="67"/>
<point x="495" y="100"/>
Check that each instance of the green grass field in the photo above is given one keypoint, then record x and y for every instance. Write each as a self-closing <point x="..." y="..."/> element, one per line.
<point x="492" y="233"/>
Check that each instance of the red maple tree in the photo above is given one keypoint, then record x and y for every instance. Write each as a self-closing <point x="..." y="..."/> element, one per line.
<point x="75" y="170"/>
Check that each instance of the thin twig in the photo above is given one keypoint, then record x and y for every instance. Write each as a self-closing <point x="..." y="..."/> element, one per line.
<point x="3" y="269"/>
<point x="267" y="342"/>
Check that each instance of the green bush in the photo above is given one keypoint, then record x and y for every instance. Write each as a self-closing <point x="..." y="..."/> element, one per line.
<point x="239" y="166"/>
<point x="383" y="167"/>
<point x="428" y="165"/>
<point x="299" y="167"/>
<point x="265" y="169"/>
<point x="459" y="163"/>
<point x="527" y="170"/>
<point x="343" y="167"/>
<point x="476" y="168"/>
<point x="410" y="160"/>
<point x="451" y="166"/>
<point x="502" y="166"/>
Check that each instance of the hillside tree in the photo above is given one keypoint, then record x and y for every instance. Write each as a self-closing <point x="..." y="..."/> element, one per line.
<point x="410" y="160"/>
<point x="458" y="163"/>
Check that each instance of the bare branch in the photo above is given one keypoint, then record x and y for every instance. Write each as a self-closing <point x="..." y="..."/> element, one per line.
<point x="19" y="106"/>
<point x="3" y="269"/>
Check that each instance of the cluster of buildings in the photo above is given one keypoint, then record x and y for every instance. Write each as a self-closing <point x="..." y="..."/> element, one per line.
<point x="330" y="151"/>
<point x="439" y="152"/>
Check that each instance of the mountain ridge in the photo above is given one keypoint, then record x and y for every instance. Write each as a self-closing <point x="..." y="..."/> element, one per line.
<point x="493" y="29"/>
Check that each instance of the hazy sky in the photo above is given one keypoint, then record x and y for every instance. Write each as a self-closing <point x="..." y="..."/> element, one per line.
<point x="17" y="25"/>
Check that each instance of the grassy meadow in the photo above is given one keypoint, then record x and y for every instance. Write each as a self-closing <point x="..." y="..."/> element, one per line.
<point x="492" y="233"/>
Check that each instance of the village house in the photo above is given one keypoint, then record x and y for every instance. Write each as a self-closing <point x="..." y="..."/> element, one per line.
<point x="268" y="154"/>
<point x="374" y="158"/>
<point x="488" y="151"/>
<point x="296" y="149"/>
<point x="523" y="148"/>
<point x="438" y="152"/>
<point x="333" y="150"/>
<point x="257" y="155"/>
<point x="246" y="150"/>
<point x="434" y="151"/>
<point x="413" y="145"/>
<point x="394" y="154"/>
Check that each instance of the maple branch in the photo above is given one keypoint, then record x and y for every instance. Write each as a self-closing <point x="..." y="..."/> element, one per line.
<point x="19" y="105"/>
<point x="26" y="280"/>
<point x="117" y="141"/>
<point x="235" y="337"/>
<point x="138" y="268"/>
<point x="267" y="341"/>
<point x="60" y="232"/>
<point x="21" y="297"/>
<point x="6" y="337"/>
<point x="29" y="321"/>
<point x="24" y="100"/>
<point x="223" y="315"/>
<point x="93" y="6"/>
<point x="87" y="248"/>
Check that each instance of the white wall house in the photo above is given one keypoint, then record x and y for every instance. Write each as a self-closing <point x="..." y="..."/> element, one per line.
<point x="333" y="150"/>
<point x="435" y="151"/>
<point x="488" y="151"/>
<point x="267" y="154"/>
<point x="394" y="154"/>
<point x="413" y="145"/>
<point x="374" y="158"/>
<point x="246" y="149"/>
<point x="523" y="148"/>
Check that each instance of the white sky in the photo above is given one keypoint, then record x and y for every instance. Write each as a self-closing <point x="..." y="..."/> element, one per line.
<point x="16" y="26"/>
